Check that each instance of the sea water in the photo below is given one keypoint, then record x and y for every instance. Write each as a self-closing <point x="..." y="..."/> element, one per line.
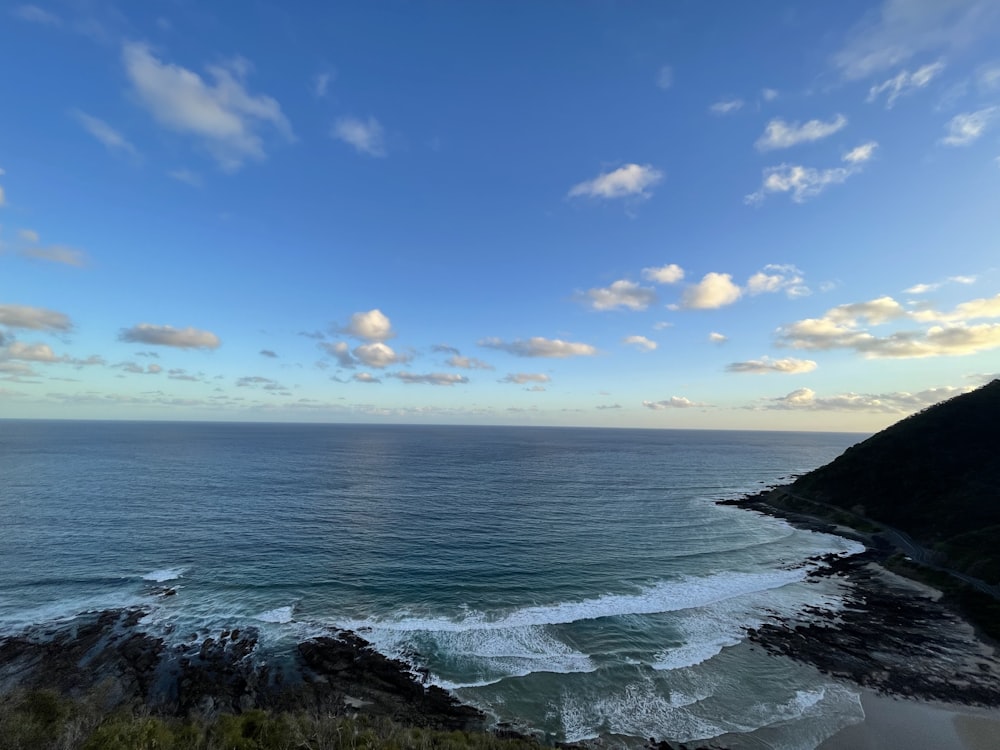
<point x="581" y="583"/>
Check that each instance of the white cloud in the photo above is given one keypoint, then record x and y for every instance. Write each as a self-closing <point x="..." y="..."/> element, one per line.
<point x="372" y="325"/>
<point x="182" y="338"/>
<point x="726" y="106"/>
<point x="628" y="180"/>
<point x="661" y="325"/>
<point x="68" y="256"/>
<point x="780" y="134"/>
<point x="804" y="183"/>
<point x="988" y="77"/>
<point x="111" y="138"/>
<point x="713" y="291"/>
<point x="905" y="83"/>
<point x="223" y="114"/>
<point x="540" y="347"/>
<point x="717" y="338"/>
<point x="468" y="363"/>
<point x="431" y="378"/>
<point x="901" y="29"/>
<point x="776" y="278"/>
<point x="640" y="342"/>
<point x="769" y="95"/>
<point x="29" y="235"/>
<point x="30" y="352"/>
<point x="3" y="198"/>
<point x="365" y="377"/>
<point x="340" y="351"/>
<point x="187" y="176"/>
<point x="764" y="365"/>
<point x="620" y="294"/>
<point x="925" y="288"/>
<point x="321" y="83"/>
<point x="34" y="318"/>
<point x="899" y="402"/>
<point x="378" y="355"/>
<point x="668" y="274"/>
<point x="34" y="14"/>
<point x="841" y="328"/>
<point x="366" y="136"/>
<point x="674" y="402"/>
<point x="861" y="154"/>
<point x="966" y="128"/>
<point x="665" y="77"/>
<point x="523" y="378"/>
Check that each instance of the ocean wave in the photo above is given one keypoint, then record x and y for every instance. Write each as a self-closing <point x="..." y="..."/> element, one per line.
<point x="165" y="574"/>
<point x="278" y="615"/>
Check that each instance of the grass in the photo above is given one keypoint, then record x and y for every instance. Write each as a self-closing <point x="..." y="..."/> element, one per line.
<point x="43" y="720"/>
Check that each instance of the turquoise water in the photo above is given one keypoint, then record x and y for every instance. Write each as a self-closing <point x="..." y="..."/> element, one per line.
<point x="578" y="582"/>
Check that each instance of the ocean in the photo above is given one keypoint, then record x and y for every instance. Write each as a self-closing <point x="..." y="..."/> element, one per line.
<point x="581" y="583"/>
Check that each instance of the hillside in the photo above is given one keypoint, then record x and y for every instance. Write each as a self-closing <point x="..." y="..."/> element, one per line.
<point x="934" y="475"/>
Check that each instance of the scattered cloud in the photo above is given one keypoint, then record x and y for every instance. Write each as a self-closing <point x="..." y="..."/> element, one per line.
<point x="861" y="154"/>
<point x="661" y="325"/>
<point x="925" y="288"/>
<point x="668" y="274"/>
<point x="182" y="338"/>
<point x="321" y="83"/>
<point x="715" y="290"/>
<point x="445" y="349"/>
<point x="674" y="402"/>
<point x="34" y="318"/>
<point x="223" y="114"/>
<point x="726" y="106"/>
<point x="804" y="183"/>
<point x="777" y="278"/>
<point x="68" y="256"/>
<point x="268" y="353"/>
<point x="905" y="83"/>
<point x="34" y="14"/>
<point x="523" y="378"/>
<point x="766" y="365"/>
<point x="186" y="176"/>
<point x="257" y="381"/>
<point x="640" y="342"/>
<point x="29" y="235"/>
<point x="900" y="29"/>
<point x="468" y="363"/>
<point x="366" y="136"/>
<point x="967" y="128"/>
<point x="899" y="402"/>
<point x="626" y="181"/>
<point x="340" y="351"/>
<point x="779" y="134"/>
<point x="620" y="294"/>
<point x="540" y="347"/>
<point x="430" y="378"/>
<point x="842" y="328"/>
<point x="373" y="325"/>
<point x="717" y="338"/>
<point x="30" y="352"/>
<point x="769" y="95"/>
<point x="365" y="377"/>
<point x="107" y="135"/>
<point x="379" y="355"/>
<point x="665" y="77"/>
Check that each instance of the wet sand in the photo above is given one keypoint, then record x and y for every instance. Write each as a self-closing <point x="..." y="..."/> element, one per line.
<point x="918" y="725"/>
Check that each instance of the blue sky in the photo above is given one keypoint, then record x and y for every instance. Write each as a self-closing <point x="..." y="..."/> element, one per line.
<point x="648" y="214"/>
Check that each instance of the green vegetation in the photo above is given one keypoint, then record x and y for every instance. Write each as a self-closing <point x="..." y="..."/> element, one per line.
<point x="42" y="720"/>
<point x="934" y="475"/>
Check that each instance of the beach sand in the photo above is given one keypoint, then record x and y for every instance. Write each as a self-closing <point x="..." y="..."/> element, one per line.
<point x="918" y="725"/>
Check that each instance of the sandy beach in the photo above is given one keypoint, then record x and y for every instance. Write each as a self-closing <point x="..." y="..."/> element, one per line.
<point x="918" y="725"/>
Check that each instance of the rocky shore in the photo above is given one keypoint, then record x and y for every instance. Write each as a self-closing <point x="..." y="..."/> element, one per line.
<point x="338" y="675"/>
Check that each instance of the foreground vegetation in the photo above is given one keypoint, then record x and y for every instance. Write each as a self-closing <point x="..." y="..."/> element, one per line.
<point x="43" y="720"/>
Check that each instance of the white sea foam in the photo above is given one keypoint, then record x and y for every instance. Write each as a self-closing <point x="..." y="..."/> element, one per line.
<point x="164" y="575"/>
<point x="277" y="615"/>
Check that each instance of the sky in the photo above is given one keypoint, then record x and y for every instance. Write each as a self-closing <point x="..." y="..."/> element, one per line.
<point x="720" y="215"/>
